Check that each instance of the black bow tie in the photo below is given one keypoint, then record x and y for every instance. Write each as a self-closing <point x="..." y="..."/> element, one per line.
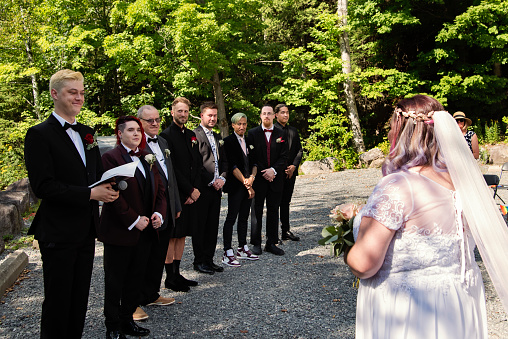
<point x="152" y="139"/>
<point x="74" y="127"/>
<point x="134" y="154"/>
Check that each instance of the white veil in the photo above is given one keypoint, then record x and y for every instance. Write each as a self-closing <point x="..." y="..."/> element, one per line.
<point x="484" y="218"/>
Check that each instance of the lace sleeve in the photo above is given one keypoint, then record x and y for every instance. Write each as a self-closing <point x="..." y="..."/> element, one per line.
<point x="390" y="203"/>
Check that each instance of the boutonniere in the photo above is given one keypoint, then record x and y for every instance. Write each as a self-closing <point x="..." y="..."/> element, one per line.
<point x="251" y="146"/>
<point x="167" y="152"/>
<point x="91" y="141"/>
<point x="221" y="142"/>
<point x="279" y="140"/>
<point x="150" y="159"/>
<point x="194" y="141"/>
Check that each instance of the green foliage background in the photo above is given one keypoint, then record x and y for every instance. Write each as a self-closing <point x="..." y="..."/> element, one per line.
<point x="135" y="52"/>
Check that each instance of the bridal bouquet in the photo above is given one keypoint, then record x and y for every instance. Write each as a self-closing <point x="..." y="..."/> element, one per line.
<point x="340" y="235"/>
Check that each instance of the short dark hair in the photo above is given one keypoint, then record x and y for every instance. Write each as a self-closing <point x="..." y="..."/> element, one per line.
<point x="207" y="104"/>
<point x="278" y="107"/>
<point x="121" y="124"/>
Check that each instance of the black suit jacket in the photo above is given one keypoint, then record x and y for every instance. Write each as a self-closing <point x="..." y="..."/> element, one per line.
<point x="208" y="169"/>
<point x="295" y="146"/>
<point x="59" y="177"/>
<point x="118" y="215"/>
<point x="171" y="187"/>
<point x="236" y="159"/>
<point x="187" y="160"/>
<point x="256" y="142"/>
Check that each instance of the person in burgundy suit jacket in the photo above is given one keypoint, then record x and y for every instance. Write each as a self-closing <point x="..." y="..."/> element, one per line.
<point x="128" y="228"/>
<point x="268" y="154"/>
<point x="62" y="160"/>
<point x="213" y="177"/>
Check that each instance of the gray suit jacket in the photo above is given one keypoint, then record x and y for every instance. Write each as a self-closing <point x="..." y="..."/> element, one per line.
<point x="207" y="172"/>
<point x="172" y="197"/>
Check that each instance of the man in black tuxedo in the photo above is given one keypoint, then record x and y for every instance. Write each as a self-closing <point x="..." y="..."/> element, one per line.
<point x="268" y="155"/>
<point x="213" y="177"/>
<point x="239" y="189"/>
<point x="150" y="120"/>
<point x="294" y="159"/>
<point x="187" y="163"/>
<point x="62" y="160"/>
<point x="128" y="228"/>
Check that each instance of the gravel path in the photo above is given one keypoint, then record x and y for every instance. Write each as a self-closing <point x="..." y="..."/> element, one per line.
<point x="303" y="294"/>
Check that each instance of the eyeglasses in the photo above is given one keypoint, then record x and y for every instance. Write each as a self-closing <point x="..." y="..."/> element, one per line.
<point x="460" y="120"/>
<point x="152" y="121"/>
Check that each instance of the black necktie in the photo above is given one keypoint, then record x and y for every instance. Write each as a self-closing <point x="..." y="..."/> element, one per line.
<point x="152" y="139"/>
<point x="134" y="154"/>
<point x="74" y="127"/>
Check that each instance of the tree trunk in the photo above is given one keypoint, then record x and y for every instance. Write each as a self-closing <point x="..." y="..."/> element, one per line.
<point x="348" y="85"/>
<point x="222" y="120"/>
<point x="30" y="59"/>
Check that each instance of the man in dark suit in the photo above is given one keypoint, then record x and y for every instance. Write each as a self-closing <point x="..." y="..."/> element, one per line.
<point x="187" y="163"/>
<point x="62" y="160"/>
<point x="128" y="228"/>
<point x="150" y="120"/>
<point x="268" y="155"/>
<point x="213" y="177"/>
<point x="239" y="189"/>
<point x="294" y="159"/>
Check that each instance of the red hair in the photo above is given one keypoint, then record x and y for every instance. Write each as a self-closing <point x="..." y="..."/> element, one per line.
<point x="120" y="126"/>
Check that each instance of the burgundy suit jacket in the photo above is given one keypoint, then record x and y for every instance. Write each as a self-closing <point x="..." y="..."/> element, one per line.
<point x="118" y="215"/>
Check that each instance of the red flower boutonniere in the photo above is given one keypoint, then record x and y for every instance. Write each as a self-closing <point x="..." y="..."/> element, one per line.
<point x="279" y="140"/>
<point x="194" y="141"/>
<point x="91" y="141"/>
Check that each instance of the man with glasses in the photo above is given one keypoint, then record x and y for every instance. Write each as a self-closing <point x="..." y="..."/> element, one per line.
<point x="151" y="120"/>
<point x="268" y="155"/>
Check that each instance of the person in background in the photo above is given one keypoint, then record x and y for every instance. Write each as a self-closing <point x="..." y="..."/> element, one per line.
<point x="294" y="158"/>
<point x="470" y="136"/>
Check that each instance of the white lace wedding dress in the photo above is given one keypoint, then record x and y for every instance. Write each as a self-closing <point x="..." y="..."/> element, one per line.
<point x="429" y="285"/>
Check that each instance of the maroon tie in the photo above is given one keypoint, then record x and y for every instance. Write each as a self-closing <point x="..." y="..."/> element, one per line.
<point x="268" y="148"/>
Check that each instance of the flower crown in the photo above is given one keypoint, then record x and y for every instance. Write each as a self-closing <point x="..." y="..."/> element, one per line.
<point x="425" y="117"/>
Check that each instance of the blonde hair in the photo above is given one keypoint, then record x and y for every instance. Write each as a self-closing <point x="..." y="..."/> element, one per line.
<point x="59" y="79"/>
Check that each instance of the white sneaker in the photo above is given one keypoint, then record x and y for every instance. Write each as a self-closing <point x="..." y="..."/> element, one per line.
<point x="229" y="259"/>
<point x="245" y="253"/>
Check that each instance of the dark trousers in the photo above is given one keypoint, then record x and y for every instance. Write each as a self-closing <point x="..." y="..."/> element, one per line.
<point x="287" y="193"/>
<point x="204" y="236"/>
<point x="155" y="267"/>
<point x="124" y="269"/>
<point x="264" y="192"/>
<point x="238" y="206"/>
<point x="67" y="271"/>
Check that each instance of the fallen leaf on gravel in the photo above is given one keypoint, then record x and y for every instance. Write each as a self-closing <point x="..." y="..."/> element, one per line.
<point x="335" y="300"/>
<point x="19" y="308"/>
<point x="283" y="310"/>
<point x="244" y="331"/>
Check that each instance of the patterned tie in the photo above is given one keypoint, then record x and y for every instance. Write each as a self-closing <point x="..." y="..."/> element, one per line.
<point x="211" y="140"/>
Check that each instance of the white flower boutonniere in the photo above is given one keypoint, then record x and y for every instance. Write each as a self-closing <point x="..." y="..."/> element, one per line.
<point x="221" y="142"/>
<point x="167" y="152"/>
<point x="91" y="141"/>
<point x="150" y="159"/>
<point x="279" y="140"/>
<point x="251" y="146"/>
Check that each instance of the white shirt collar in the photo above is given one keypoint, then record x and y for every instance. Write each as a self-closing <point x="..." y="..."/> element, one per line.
<point x="61" y="120"/>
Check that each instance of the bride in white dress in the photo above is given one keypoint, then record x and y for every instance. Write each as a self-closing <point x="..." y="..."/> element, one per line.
<point x="414" y="249"/>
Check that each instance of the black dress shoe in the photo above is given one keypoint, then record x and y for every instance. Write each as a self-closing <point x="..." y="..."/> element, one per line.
<point x="115" y="335"/>
<point x="290" y="236"/>
<point x="256" y="249"/>
<point x="131" y="328"/>
<point x="204" y="268"/>
<point x="187" y="282"/>
<point x="176" y="285"/>
<point x="216" y="268"/>
<point x="272" y="248"/>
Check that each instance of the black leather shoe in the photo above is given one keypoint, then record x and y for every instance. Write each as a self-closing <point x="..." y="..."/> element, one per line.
<point x="131" y="328"/>
<point x="176" y="285"/>
<point x="204" y="268"/>
<point x="290" y="236"/>
<point x="272" y="248"/>
<point x="115" y="335"/>
<point x="185" y="281"/>
<point x="216" y="268"/>
<point x="256" y="249"/>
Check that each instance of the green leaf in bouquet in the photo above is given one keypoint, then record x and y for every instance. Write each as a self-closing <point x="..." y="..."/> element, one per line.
<point x="333" y="239"/>
<point x="349" y="243"/>
<point x="328" y="231"/>
<point x="324" y="240"/>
